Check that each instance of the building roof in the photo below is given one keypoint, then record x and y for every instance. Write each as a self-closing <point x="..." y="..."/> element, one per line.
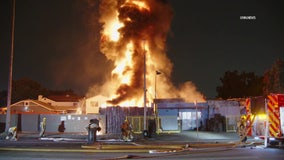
<point x="37" y="107"/>
<point x="65" y="98"/>
<point x="178" y="103"/>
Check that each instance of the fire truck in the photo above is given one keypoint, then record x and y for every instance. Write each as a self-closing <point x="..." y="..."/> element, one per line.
<point x="263" y="110"/>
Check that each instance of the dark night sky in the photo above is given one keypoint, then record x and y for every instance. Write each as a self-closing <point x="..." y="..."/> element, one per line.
<point x="56" y="44"/>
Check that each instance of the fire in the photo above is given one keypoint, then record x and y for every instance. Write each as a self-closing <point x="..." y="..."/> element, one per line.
<point x="134" y="33"/>
<point x="111" y="30"/>
<point x="124" y="64"/>
<point x="138" y="3"/>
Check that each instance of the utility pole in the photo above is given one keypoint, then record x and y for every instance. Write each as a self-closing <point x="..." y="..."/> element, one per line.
<point x="9" y="94"/>
<point x="145" y="88"/>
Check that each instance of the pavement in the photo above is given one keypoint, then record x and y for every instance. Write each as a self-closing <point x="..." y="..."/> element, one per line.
<point x="77" y="142"/>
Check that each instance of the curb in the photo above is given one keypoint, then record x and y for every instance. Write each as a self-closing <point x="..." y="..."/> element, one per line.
<point x="131" y="147"/>
<point x="73" y="150"/>
<point x="110" y="148"/>
<point x="157" y="146"/>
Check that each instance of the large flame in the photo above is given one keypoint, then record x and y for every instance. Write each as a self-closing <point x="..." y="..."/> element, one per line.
<point x="133" y="30"/>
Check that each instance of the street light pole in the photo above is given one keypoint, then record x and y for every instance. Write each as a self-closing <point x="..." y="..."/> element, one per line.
<point x="156" y="85"/>
<point x="155" y="103"/>
<point x="195" y="102"/>
<point x="9" y="94"/>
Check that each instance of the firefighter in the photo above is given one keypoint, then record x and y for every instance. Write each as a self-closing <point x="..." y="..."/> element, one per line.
<point x="124" y="128"/>
<point x="12" y="132"/>
<point x="42" y="127"/>
<point x="242" y="130"/>
<point x="92" y="129"/>
<point x="61" y="127"/>
<point x="126" y="131"/>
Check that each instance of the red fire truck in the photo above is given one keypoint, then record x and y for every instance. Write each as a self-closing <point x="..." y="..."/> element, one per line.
<point x="259" y="111"/>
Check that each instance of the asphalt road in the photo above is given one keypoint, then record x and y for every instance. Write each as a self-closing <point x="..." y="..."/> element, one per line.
<point x="198" y="154"/>
<point x="166" y="146"/>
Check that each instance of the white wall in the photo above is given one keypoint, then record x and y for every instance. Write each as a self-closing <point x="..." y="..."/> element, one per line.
<point x="223" y="107"/>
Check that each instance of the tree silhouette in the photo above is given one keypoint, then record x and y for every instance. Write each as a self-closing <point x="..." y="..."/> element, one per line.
<point x="3" y="98"/>
<point x="274" y="78"/>
<point x="26" y="88"/>
<point x="237" y="85"/>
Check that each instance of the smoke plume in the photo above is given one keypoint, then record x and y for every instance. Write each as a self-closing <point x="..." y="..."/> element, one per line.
<point x="134" y="31"/>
